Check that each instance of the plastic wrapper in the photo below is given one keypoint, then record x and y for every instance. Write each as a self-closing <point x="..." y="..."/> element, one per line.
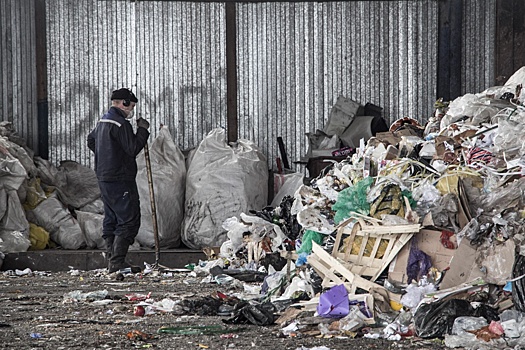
<point x="390" y="201"/>
<point x="353" y="321"/>
<point x="480" y="109"/>
<point x="426" y="195"/>
<point x="510" y="196"/>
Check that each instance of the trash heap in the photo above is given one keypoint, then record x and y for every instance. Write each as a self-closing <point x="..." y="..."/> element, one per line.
<point x="419" y="233"/>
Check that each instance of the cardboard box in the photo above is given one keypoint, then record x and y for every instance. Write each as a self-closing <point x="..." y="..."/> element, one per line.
<point x="429" y="242"/>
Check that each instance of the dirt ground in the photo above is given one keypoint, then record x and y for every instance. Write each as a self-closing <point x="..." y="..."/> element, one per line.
<point x="41" y="311"/>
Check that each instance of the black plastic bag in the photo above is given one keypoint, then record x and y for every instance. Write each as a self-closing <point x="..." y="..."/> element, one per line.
<point x="257" y="314"/>
<point x="436" y="319"/>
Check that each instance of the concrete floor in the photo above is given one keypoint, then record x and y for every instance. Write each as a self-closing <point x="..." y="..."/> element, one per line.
<point x="64" y="260"/>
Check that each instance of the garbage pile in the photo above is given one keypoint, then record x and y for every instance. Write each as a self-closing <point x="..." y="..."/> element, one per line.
<point x="418" y="233"/>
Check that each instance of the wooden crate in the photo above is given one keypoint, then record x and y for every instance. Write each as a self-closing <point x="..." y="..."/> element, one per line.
<point x="370" y="246"/>
<point x="333" y="273"/>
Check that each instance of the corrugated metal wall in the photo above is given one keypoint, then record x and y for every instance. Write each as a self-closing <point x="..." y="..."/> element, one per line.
<point x="294" y="60"/>
<point x="17" y="64"/>
<point x="478" y="45"/>
<point x="170" y="53"/>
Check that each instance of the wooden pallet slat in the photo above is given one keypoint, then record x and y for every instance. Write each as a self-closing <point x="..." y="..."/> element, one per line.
<point x="373" y="236"/>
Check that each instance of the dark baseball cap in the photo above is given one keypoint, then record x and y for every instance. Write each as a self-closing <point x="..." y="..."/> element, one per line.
<point x="124" y="94"/>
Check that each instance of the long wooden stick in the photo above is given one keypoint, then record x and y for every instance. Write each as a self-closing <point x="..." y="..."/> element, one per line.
<point x="153" y="205"/>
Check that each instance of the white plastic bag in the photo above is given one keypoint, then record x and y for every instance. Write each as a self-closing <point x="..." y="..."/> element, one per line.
<point x="91" y="225"/>
<point x="286" y="185"/>
<point x="12" y="213"/>
<point x="13" y="242"/>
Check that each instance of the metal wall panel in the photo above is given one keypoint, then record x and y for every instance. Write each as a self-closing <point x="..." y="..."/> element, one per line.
<point x="171" y="54"/>
<point x="17" y="64"/>
<point x="295" y="59"/>
<point x="479" y="45"/>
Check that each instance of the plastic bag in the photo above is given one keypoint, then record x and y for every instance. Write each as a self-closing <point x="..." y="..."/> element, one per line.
<point x="334" y="302"/>
<point x="415" y="293"/>
<point x="13" y="217"/>
<point x="286" y="185"/>
<point x="91" y="225"/>
<point x="419" y="263"/>
<point x="13" y="242"/>
<point x="308" y="237"/>
<point x="353" y="199"/>
<point x="56" y="219"/>
<point x="38" y="237"/>
<point x="341" y="116"/>
<point x="257" y="314"/>
<point x="76" y="185"/>
<point x="436" y="319"/>
<point x="12" y="173"/>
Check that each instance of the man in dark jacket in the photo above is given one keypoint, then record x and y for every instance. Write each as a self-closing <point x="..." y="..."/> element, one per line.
<point x="116" y="147"/>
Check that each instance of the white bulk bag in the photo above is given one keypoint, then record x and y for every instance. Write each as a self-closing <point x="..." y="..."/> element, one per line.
<point x="168" y="168"/>
<point x="222" y="181"/>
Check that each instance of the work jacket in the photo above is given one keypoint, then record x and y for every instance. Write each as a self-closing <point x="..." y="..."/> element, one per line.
<point x="116" y="147"/>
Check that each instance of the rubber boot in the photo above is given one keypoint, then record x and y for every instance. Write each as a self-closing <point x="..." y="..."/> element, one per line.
<point x="109" y="248"/>
<point x="118" y="258"/>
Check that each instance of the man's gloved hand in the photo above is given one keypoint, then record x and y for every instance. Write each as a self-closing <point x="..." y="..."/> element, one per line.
<point x="143" y="123"/>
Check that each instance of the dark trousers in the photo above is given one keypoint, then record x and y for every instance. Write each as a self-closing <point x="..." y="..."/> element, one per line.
<point x="121" y="209"/>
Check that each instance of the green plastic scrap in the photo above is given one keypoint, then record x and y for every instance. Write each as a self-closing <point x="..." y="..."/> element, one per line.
<point x="308" y="237"/>
<point x="198" y="330"/>
<point x="190" y="266"/>
<point x="353" y="199"/>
